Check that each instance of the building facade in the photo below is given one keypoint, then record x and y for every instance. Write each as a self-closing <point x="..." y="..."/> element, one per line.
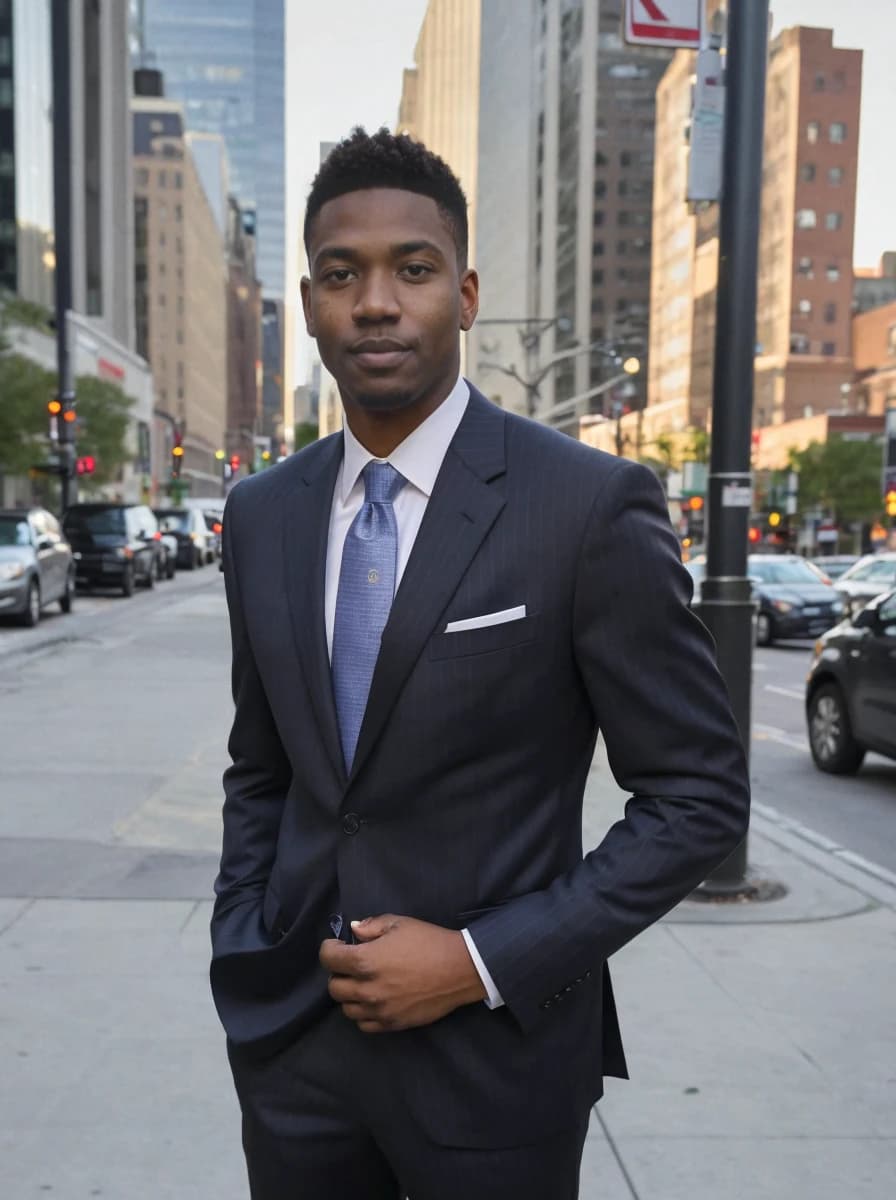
<point x="181" y="303"/>
<point x="874" y="354"/>
<point x="225" y="63"/>
<point x="243" y="339"/>
<point x="875" y="286"/>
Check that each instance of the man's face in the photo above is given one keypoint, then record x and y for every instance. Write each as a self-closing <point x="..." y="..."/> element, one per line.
<point x="386" y="299"/>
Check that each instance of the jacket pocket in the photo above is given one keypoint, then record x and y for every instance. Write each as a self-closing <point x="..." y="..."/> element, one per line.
<point x="484" y="640"/>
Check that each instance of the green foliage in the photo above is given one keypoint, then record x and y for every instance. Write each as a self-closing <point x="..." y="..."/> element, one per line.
<point x="306" y="432"/>
<point x="25" y="312"/>
<point x="103" y="417"/>
<point x="25" y="389"/>
<point x="842" y="477"/>
<point x="698" y="449"/>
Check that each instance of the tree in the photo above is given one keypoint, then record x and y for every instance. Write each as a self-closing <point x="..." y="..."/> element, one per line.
<point x="103" y="419"/>
<point x="843" y="477"/>
<point x="305" y="433"/>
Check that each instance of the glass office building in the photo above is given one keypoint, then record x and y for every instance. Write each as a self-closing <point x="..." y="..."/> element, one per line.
<point x="224" y="62"/>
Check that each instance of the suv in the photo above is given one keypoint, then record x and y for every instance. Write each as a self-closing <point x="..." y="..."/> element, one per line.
<point x="115" y="545"/>
<point x="871" y="575"/>
<point x="36" y="564"/>
<point x="195" y="544"/>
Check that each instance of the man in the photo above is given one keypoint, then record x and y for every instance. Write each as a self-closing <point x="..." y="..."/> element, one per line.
<point x="432" y="615"/>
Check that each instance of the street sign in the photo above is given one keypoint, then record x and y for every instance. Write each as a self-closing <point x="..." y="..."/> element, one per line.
<point x="707" y="128"/>
<point x="664" y="23"/>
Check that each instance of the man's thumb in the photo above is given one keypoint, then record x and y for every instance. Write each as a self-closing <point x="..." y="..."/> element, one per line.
<point x="372" y="927"/>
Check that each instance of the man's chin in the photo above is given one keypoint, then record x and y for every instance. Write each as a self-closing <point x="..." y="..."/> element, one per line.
<point x="388" y="400"/>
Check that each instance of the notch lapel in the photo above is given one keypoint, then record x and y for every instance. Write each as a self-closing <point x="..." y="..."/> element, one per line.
<point x="305" y="533"/>
<point x="461" y="511"/>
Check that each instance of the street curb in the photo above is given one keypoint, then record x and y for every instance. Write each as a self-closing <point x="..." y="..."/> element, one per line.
<point x="825" y="855"/>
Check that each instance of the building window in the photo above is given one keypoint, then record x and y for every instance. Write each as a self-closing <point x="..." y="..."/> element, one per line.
<point x="622" y="217"/>
<point x="600" y="187"/>
<point x="598" y="216"/>
<point x="813" y="129"/>
<point x="807" y="172"/>
<point x="833" y="273"/>
<point x="838" y="81"/>
<point x="818" y="83"/>
<point x="799" y="343"/>
<point x="597" y="276"/>
<point x="836" y="176"/>
<point x="805" y="307"/>
<point x="178" y="212"/>
<point x="830" y="313"/>
<point x="622" y="247"/>
<point x="838" y="132"/>
<point x="600" y="159"/>
<point x="597" y="249"/>
<point x="806" y="219"/>
<point x="622" y="274"/>
<point x="142" y="176"/>
<point x="805" y="268"/>
<point x="178" y="179"/>
<point x="625" y="159"/>
<point x="597" y="304"/>
<point x="829" y="348"/>
<point x="833" y="220"/>
<point x="163" y="178"/>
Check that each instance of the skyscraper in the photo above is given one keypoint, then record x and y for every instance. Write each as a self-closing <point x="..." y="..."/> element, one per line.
<point x="224" y="62"/>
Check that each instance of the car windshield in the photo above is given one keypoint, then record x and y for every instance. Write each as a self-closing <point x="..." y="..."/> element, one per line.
<point x="785" y="570"/>
<point x="98" y="522"/>
<point x="883" y="572"/>
<point x="174" y="522"/>
<point x="835" y="569"/>
<point x="14" y="532"/>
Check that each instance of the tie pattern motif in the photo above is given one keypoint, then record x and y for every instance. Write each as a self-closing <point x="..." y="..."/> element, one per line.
<point x="364" y="598"/>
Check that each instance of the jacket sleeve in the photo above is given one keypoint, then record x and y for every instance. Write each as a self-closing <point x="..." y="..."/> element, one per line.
<point x="648" y="666"/>
<point x="255" y="784"/>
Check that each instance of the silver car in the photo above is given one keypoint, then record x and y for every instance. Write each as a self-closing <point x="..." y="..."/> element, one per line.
<point x="36" y="564"/>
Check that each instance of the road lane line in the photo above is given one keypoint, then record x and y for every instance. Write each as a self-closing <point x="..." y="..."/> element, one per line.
<point x="771" y="733"/>
<point x="783" y="691"/>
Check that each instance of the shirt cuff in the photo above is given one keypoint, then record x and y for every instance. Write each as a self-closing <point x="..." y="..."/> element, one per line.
<point x="493" y="999"/>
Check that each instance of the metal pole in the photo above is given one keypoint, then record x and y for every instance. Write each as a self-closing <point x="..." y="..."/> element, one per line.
<point x="62" y="223"/>
<point x="726" y="604"/>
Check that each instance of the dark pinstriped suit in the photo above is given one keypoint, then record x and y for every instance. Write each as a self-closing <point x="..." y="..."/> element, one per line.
<point x="464" y="802"/>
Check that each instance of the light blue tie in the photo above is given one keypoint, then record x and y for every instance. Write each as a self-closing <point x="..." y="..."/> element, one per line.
<point x="364" y="598"/>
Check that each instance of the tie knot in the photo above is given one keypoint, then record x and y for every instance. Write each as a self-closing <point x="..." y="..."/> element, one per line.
<point x="382" y="482"/>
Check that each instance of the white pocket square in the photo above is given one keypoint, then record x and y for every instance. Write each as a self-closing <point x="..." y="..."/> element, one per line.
<point x="495" y="618"/>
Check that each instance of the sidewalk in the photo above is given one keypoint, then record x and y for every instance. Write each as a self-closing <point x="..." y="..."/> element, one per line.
<point x="761" y="1039"/>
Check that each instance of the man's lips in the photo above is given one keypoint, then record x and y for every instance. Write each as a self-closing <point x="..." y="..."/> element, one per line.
<point x="379" y="353"/>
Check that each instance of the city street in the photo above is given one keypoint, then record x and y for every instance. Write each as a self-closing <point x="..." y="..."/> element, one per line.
<point x="115" y="1082"/>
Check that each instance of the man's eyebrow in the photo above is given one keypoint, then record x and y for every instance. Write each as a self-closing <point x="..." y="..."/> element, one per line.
<point x="415" y="247"/>
<point x="337" y="252"/>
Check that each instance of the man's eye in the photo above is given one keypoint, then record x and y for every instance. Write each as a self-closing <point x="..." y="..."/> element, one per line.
<point x="338" y="275"/>
<point x="417" y="270"/>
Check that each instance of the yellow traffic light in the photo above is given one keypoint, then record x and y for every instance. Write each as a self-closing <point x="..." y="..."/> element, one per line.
<point x="631" y="366"/>
<point x="178" y="451"/>
<point x="220" y="455"/>
<point x="774" y="519"/>
<point x="266" y="455"/>
<point x="890" y="499"/>
<point x="54" y="408"/>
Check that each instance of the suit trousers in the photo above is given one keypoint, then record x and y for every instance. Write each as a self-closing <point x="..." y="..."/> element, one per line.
<point x="322" y="1121"/>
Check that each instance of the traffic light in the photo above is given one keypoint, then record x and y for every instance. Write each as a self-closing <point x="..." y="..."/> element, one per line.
<point x="234" y="463"/>
<point x="755" y="535"/>
<point x="177" y="455"/>
<point x="85" y="465"/>
<point x="890" y="502"/>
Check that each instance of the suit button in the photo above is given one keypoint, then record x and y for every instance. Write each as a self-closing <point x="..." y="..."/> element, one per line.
<point x="351" y="823"/>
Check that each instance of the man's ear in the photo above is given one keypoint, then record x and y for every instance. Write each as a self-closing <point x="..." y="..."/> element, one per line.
<point x="305" y="287"/>
<point x="469" y="299"/>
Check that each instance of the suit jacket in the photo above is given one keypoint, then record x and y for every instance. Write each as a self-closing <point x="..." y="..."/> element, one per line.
<point x="464" y="802"/>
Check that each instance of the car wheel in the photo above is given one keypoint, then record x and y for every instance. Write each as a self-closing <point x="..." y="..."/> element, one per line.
<point x="171" y="567"/>
<point x="833" y="747"/>
<point x="149" y="579"/>
<point x="127" y="581"/>
<point x="31" y="615"/>
<point x="764" y="634"/>
<point x="67" y="599"/>
<point x="195" y="559"/>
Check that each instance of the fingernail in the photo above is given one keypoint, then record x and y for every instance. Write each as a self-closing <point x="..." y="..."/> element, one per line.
<point x="355" y="924"/>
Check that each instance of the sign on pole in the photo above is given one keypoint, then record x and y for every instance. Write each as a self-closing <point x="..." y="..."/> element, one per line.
<point x="664" y="23"/>
<point x="707" y="128"/>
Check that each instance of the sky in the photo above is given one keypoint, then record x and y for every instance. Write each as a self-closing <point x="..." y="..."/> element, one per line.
<point x="344" y="67"/>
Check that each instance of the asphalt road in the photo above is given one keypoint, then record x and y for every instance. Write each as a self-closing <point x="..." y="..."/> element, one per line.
<point x="114" y="720"/>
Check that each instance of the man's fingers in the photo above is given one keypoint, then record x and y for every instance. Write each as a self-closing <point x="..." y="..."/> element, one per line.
<point x="341" y="959"/>
<point x="374" y="927"/>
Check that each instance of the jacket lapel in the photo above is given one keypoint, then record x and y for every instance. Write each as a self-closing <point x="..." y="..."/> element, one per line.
<point x="461" y="511"/>
<point x="305" y="529"/>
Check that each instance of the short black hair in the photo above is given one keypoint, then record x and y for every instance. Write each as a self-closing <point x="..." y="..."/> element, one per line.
<point x="388" y="160"/>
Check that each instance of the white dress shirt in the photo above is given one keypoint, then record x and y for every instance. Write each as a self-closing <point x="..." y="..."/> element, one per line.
<point x="419" y="459"/>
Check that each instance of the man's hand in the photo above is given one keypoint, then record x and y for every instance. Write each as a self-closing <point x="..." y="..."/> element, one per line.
<point x="403" y="973"/>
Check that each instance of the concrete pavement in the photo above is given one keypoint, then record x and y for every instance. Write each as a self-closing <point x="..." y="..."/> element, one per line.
<point x="761" y="1039"/>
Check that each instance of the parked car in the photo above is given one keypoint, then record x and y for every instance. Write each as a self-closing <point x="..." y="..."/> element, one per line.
<point x="215" y="525"/>
<point x="115" y="545"/>
<point x="871" y="575"/>
<point x="833" y="565"/>
<point x="37" y="567"/>
<point x="851" y="689"/>
<point x="194" y="538"/>
<point x="793" y="601"/>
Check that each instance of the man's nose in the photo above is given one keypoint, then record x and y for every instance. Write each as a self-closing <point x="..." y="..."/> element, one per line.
<point x="377" y="299"/>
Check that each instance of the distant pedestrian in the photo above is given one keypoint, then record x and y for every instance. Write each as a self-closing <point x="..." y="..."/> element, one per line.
<point x="433" y="614"/>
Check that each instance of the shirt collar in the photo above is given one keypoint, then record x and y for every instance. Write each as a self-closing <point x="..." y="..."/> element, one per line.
<point x="419" y="457"/>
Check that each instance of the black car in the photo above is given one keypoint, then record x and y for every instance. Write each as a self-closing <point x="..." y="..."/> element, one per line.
<point x="115" y="545"/>
<point x="851" y="689"/>
<point x="36" y="564"/>
<point x="792" y="600"/>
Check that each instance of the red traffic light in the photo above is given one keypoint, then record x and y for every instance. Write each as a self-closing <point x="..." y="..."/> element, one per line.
<point x="754" y="535"/>
<point x="85" y="465"/>
<point x="695" y="504"/>
<point x="234" y="462"/>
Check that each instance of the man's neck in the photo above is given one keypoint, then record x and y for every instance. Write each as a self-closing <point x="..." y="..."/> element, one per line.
<point x="381" y="432"/>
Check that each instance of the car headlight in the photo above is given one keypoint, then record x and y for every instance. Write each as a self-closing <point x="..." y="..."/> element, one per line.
<point x="783" y="606"/>
<point x="11" y="570"/>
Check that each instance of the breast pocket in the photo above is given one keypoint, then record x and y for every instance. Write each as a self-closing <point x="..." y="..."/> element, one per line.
<point x="484" y="640"/>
